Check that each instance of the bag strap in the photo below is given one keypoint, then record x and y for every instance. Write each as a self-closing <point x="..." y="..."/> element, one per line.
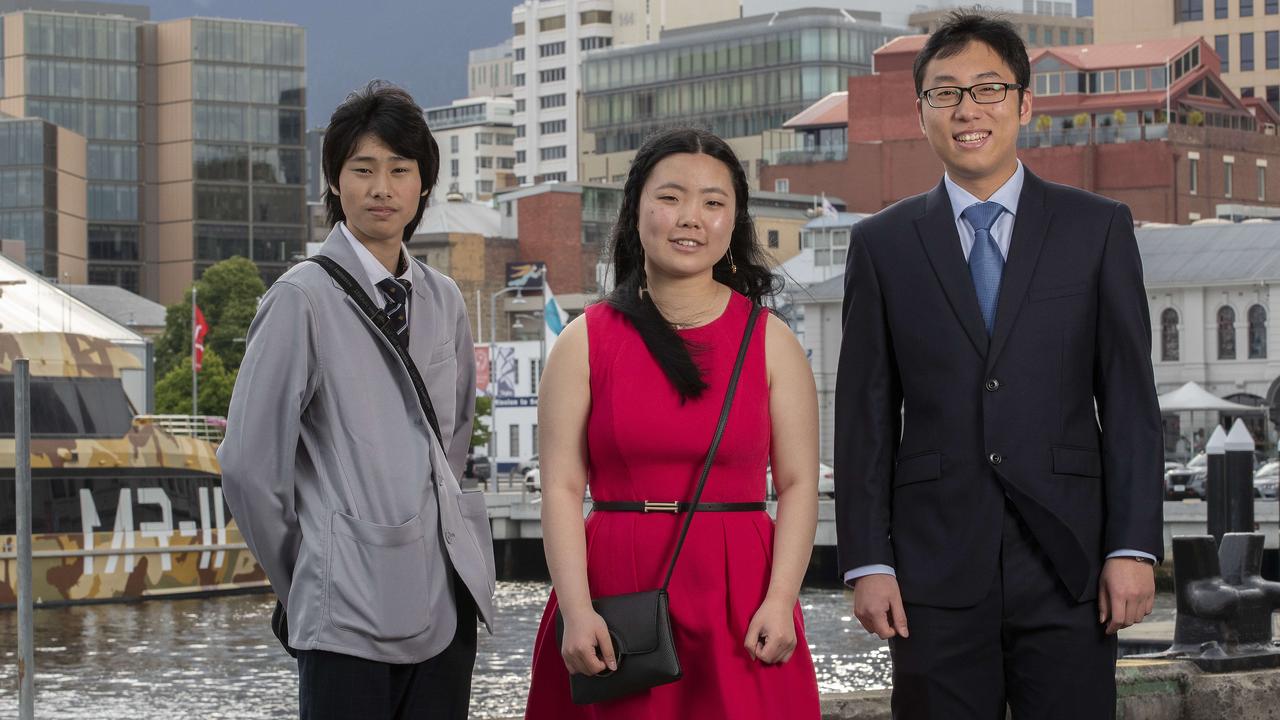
<point x="383" y="323"/>
<point x="715" y="439"/>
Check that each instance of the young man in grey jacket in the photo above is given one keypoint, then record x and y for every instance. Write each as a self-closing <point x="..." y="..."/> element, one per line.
<point x="333" y="470"/>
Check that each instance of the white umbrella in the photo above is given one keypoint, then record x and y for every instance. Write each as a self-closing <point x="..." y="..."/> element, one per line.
<point x="1192" y="397"/>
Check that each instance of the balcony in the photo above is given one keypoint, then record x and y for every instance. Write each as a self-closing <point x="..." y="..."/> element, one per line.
<point x="1101" y="135"/>
<point x="807" y="156"/>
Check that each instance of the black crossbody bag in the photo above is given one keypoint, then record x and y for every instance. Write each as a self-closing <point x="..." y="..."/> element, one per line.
<point x="279" y="618"/>
<point x="640" y="622"/>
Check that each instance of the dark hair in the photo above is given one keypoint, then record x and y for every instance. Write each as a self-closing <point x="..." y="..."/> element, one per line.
<point x="390" y="114"/>
<point x="753" y="278"/>
<point x="962" y="27"/>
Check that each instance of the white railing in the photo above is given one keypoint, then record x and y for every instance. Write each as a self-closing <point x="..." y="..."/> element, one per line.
<point x="205" y="427"/>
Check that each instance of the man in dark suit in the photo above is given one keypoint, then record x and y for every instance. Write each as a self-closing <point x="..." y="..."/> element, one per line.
<point x="998" y="441"/>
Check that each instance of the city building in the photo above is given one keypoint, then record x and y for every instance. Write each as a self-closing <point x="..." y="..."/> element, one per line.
<point x="551" y="39"/>
<point x="194" y="136"/>
<point x="1037" y="30"/>
<point x="82" y="73"/>
<point x="489" y="71"/>
<point x="316" y="184"/>
<point x="1100" y="123"/>
<point x="514" y="369"/>
<point x="737" y="78"/>
<point x="476" y="141"/>
<point x="44" y="203"/>
<point x="1245" y="34"/>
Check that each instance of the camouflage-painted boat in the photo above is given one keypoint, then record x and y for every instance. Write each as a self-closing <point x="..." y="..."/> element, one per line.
<point x="122" y="509"/>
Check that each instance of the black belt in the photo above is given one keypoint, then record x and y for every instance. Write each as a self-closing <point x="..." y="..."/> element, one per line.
<point x="676" y="507"/>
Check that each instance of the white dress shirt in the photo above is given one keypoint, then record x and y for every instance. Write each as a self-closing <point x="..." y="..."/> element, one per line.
<point x="374" y="269"/>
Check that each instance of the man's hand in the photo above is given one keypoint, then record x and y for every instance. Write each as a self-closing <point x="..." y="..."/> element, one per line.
<point x="877" y="603"/>
<point x="1126" y="592"/>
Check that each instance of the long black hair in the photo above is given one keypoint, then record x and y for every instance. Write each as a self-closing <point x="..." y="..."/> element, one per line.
<point x="390" y="114"/>
<point x="753" y="279"/>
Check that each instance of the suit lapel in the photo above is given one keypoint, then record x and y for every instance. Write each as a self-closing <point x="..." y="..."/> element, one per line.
<point x="937" y="231"/>
<point x="337" y="247"/>
<point x="422" y="323"/>
<point x="1029" y="227"/>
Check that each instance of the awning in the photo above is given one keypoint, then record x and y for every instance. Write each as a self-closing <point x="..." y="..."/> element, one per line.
<point x="1194" y="397"/>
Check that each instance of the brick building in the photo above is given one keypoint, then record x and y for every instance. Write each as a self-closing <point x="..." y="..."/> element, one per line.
<point x="1100" y="122"/>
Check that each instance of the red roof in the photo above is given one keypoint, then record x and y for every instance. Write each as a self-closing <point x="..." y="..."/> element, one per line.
<point x="1118" y="55"/>
<point x="1262" y="110"/>
<point x="830" y="110"/>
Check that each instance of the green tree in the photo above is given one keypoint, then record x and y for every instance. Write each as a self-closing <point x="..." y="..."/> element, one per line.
<point x="228" y="294"/>
<point x="482" y="428"/>
<point x="173" y="391"/>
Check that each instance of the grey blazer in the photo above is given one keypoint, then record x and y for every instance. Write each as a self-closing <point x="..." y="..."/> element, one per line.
<point x="334" y="476"/>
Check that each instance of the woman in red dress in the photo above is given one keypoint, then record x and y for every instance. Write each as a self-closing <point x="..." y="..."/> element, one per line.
<point x="628" y="405"/>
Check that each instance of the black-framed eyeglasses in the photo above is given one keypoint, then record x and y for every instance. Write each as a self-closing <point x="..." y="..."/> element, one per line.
<point x="945" y="96"/>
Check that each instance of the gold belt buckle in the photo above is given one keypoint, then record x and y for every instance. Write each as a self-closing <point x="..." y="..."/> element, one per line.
<point x="661" y="507"/>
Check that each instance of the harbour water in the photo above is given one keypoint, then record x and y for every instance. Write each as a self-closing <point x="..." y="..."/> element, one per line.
<point x="215" y="658"/>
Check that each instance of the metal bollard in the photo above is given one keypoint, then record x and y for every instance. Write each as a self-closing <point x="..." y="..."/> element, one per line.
<point x="1239" y="479"/>
<point x="1215" y="483"/>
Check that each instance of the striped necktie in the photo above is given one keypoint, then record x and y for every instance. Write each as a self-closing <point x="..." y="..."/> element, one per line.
<point x="398" y="292"/>
<point x="986" y="264"/>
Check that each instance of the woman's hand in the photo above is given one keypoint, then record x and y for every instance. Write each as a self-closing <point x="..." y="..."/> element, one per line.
<point x="587" y="648"/>
<point x="771" y="636"/>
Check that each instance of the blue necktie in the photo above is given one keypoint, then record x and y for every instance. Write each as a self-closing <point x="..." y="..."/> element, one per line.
<point x="986" y="264"/>
<point x="398" y="291"/>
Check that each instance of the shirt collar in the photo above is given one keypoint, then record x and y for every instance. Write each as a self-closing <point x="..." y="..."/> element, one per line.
<point x="1007" y="195"/>
<point x="374" y="269"/>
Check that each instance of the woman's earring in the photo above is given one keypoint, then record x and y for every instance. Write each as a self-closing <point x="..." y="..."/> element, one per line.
<point x="733" y="269"/>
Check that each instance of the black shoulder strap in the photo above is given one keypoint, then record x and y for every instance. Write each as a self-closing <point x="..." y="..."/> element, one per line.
<point x="715" y="439"/>
<point x="382" y="322"/>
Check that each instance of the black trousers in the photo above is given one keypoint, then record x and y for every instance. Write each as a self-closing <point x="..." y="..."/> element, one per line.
<point x="1028" y="645"/>
<point x="332" y="686"/>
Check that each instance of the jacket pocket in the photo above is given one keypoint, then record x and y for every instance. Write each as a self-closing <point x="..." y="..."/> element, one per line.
<point x="916" y="468"/>
<point x="476" y="515"/>
<point x="378" y="578"/>
<point x="1061" y="291"/>
<point x="1076" y="461"/>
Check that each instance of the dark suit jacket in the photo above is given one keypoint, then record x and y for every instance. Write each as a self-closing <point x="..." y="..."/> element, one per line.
<point x="937" y="425"/>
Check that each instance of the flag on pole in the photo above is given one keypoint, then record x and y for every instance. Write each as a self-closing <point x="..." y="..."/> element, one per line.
<point x="828" y="210"/>
<point x="198" y="331"/>
<point x="553" y="315"/>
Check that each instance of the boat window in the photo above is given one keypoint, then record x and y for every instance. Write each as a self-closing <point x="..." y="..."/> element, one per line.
<point x="70" y="407"/>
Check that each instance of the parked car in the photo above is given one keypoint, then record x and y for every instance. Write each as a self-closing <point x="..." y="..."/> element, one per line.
<point x="477" y="467"/>
<point x="1266" y="482"/>
<point x="1188" y="481"/>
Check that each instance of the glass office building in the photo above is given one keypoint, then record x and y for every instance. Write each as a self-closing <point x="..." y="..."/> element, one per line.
<point x="736" y="78"/>
<point x="81" y="72"/>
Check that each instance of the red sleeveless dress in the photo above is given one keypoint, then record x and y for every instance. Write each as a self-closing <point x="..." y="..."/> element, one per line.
<point x="643" y="444"/>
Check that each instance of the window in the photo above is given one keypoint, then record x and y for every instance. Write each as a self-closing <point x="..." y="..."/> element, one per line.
<point x="520" y="131"/>
<point x="1257" y="332"/>
<point x="484" y="187"/>
<point x="551" y="75"/>
<point x="533" y="379"/>
<point x="518" y="28"/>
<point x="506" y="163"/>
<point x="552" y="127"/>
<point x="453" y="168"/>
<point x="520" y="156"/>
<point x="773" y="238"/>
<point x="1079" y="37"/>
<point x="1273" y="96"/>
<point x="1228" y="177"/>
<point x="519" y="54"/>
<point x="551" y="49"/>
<point x="1064" y="37"/>
<point x="519" y="105"/>
<point x="551" y="101"/>
<point x="1193" y="186"/>
<point x="1273" y="7"/>
<point x="1169" y="335"/>
<point x="1189" y="10"/>
<point x="1246" y="8"/>
<point x="552" y="153"/>
<point x="453" y="143"/>
<point x="1246" y="51"/>
<point x="1262" y="183"/>
<point x="1033" y="35"/>
<point x="1226" y="333"/>
<point x="519" y="80"/>
<point x="782" y="185"/>
<point x="513" y="442"/>
<point x="1246" y="92"/>
<point x="1219" y="9"/>
<point x="484" y="162"/>
<point x="551" y="23"/>
<point x="1222" y="46"/>
<point x="595" y="43"/>
<point x="1273" y="49"/>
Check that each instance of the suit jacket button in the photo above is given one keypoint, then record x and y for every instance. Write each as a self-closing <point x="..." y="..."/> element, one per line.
<point x="995" y="458"/>
<point x="448" y="536"/>
<point x="993" y="385"/>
